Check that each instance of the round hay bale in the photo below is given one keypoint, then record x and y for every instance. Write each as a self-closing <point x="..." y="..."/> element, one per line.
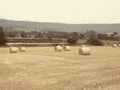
<point x="13" y="49"/>
<point x="83" y="46"/>
<point x="67" y="48"/>
<point x="58" y="48"/>
<point x="84" y="51"/>
<point x="22" y="49"/>
<point x="114" y="45"/>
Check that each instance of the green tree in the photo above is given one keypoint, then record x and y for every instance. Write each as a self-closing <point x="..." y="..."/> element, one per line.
<point x="39" y="35"/>
<point x="102" y="36"/>
<point x="81" y="36"/>
<point x="72" y="40"/>
<point x="12" y="33"/>
<point x="3" y="38"/>
<point x="50" y="35"/>
<point x="113" y="36"/>
<point x="91" y="33"/>
<point x="23" y="34"/>
<point x="74" y="35"/>
<point x="115" y="33"/>
<point x="95" y="41"/>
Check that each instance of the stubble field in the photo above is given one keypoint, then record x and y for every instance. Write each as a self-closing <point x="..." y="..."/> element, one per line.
<point x="41" y="68"/>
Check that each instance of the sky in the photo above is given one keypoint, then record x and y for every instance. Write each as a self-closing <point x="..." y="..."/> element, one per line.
<point x="63" y="11"/>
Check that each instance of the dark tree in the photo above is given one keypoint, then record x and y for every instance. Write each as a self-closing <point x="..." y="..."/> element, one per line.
<point x="12" y="33"/>
<point x="74" y="34"/>
<point x="39" y="35"/>
<point x="81" y="36"/>
<point x="102" y="36"/>
<point x="72" y="40"/>
<point x="3" y="38"/>
<point x="95" y="41"/>
<point x="91" y="33"/>
<point x="23" y="34"/>
<point x="50" y="35"/>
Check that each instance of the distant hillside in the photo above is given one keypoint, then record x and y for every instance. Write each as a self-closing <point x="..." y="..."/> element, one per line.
<point x="9" y="24"/>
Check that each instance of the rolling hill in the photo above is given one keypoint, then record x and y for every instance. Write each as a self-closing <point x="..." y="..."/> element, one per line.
<point x="63" y="27"/>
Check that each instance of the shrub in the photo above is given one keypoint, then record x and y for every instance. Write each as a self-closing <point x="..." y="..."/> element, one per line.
<point x="95" y="41"/>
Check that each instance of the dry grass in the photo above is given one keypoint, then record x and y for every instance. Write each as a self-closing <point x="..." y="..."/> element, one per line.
<point x="41" y="68"/>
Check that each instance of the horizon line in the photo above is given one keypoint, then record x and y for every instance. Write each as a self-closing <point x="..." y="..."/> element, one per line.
<point x="52" y="22"/>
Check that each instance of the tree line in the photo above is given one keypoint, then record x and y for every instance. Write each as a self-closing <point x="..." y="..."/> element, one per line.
<point x="56" y="34"/>
<point x="72" y="37"/>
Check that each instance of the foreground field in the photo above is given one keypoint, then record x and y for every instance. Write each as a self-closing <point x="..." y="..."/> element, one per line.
<point x="41" y="68"/>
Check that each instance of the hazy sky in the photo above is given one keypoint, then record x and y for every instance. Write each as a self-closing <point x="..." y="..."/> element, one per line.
<point x="65" y="11"/>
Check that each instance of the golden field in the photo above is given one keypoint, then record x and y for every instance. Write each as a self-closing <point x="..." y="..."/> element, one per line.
<point x="41" y="68"/>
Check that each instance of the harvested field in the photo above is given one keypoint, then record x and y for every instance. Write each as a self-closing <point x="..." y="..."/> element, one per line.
<point x="41" y="68"/>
